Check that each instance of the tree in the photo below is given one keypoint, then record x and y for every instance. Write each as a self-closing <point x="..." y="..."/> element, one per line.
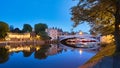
<point x="40" y="27"/>
<point x="17" y="30"/>
<point x="101" y="14"/>
<point x="4" y="28"/>
<point x="27" y="28"/>
<point x="43" y="35"/>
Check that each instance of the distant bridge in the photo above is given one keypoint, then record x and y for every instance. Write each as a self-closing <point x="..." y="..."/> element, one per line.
<point x="86" y="36"/>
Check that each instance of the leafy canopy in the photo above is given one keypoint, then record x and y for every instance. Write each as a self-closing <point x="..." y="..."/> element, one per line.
<point x="40" y="27"/>
<point x="4" y="28"/>
<point x="99" y="14"/>
<point x="27" y="28"/>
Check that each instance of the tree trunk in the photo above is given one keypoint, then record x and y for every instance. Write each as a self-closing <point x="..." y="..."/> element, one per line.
<point x="117" y="24"/>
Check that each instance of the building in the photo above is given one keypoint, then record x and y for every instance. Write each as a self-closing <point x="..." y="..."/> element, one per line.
<point x="54" y="49"/>
<point x="18" y="36"/>
<point x="54" y="33"/>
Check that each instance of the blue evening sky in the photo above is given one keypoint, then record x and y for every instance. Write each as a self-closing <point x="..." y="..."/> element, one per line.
<point x="55" y="13"/>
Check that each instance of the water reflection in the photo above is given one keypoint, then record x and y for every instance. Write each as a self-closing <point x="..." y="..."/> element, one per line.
<point x="80" y="51"/>
<point x="40" y="51"/>
<point x="4" y="55"/>
<point x="55" y="54"/>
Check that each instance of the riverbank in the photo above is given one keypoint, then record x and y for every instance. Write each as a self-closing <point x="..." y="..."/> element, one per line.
<point x="105" y="51"/>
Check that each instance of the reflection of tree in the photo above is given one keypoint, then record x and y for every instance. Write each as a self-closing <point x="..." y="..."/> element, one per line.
<point x="27" y="54"/>
<point x="4" y="55"/>
<point x="40" y="54"/>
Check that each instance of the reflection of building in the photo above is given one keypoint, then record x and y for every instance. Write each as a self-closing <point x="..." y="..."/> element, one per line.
<point x="18" y="36"/>
<point x="22" y="48"/>
<point x="54" y="49"/>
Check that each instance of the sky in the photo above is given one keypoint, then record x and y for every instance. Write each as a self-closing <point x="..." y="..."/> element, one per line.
<point x="54" y="13"/>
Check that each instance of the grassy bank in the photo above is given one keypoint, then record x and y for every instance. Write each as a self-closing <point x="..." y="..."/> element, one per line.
<point x="106" y="50"/>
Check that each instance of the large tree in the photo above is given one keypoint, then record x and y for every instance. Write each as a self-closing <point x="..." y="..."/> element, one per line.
<point x="102" y="15"/>
<point x="4" y="28"/>
<point x="40" y="30"/>
<point x="27" y="28"/>
<point x="43" y="35"/>
<point x="40" y="27"/>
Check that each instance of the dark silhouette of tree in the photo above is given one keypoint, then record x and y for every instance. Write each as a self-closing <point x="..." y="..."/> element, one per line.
<point x="43" y="35"/>
<point x="40" y="27"/>
<point x="27" y="28"/>
<point x="40" y="30"/>
<point x="4" y="55"/>
<point x="17" y="30"/>
<point x="4" y="28"/>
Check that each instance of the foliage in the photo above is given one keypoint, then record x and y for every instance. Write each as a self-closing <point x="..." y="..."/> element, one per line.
<point x="27" y="28"/>
<point x="4" y="28"/>
<point x="99" y="15"/>
<point x="102" y="15"/>
<point x="40" y="27"/>
<point x="17" y="30"/>
<point x="40" y="30"/>
<point x="43" y="35"/>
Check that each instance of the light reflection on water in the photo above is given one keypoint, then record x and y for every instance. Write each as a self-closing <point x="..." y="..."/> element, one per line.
<point x="80" y="51"/>
<point x="44" y="56"/>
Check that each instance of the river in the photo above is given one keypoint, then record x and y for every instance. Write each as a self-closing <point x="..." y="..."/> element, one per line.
<point x="43" y="56"/>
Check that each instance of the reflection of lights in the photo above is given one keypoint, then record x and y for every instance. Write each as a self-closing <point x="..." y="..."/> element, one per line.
<point x="37" y="48"/>
<point x="22" y="48"/>
<point x="80" y="51"/>
<point x="19" y="49"/>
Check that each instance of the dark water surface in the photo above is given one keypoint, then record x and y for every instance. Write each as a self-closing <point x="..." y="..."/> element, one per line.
<point x="43" y="56"/>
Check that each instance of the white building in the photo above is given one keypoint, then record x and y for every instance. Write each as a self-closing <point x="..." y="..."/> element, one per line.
<point x="53" y="33"/>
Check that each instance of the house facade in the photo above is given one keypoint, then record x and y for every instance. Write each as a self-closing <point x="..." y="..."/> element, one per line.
<point x="18" y="36"/>
<point x="54" y="33"/>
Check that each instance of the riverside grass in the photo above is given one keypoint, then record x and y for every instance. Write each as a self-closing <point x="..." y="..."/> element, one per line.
<point x="108" y="50"/>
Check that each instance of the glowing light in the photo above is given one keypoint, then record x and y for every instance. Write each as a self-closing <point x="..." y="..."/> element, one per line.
<point x="80" y="51"/>
<point x="80" y="33"/>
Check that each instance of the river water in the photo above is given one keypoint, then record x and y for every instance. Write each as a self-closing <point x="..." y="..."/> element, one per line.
<point x="43" y="56"/>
